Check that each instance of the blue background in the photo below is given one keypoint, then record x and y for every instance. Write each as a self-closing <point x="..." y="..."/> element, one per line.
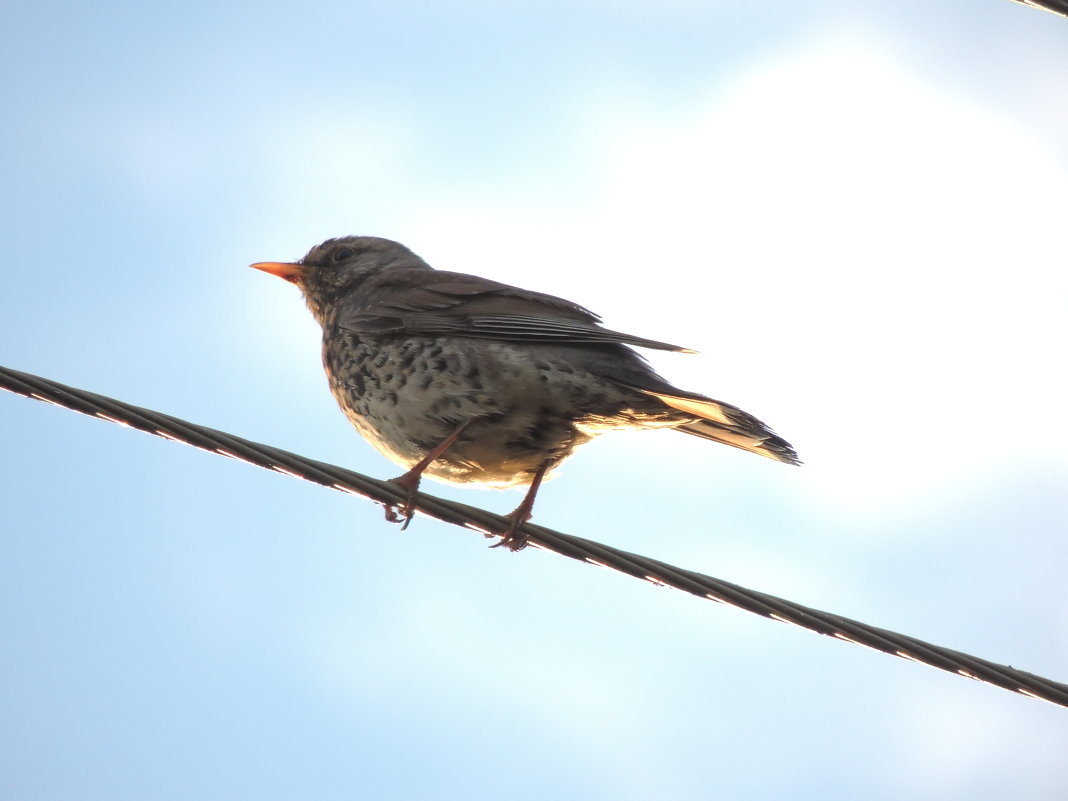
<point x="855" y="211"/>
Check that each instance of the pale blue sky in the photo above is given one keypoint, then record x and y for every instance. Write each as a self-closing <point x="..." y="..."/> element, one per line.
<point x="855" y="212"/>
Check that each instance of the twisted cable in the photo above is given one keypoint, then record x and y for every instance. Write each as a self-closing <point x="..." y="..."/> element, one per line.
<point x="1058" y="7"/>
<point x="489" y="524"/>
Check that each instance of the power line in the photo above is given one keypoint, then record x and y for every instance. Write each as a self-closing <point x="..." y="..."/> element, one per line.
<point x="490" y="524"/>
<point x="1059" y="7"/>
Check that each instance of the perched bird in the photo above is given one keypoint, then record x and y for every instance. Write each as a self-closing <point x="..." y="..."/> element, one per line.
<point x="468" y="380"/>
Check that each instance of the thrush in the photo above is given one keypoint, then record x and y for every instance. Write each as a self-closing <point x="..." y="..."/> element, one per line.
<point x="471" y="381"/>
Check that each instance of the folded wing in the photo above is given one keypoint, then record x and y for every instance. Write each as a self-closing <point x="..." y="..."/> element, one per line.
<point x="421" y="302"/>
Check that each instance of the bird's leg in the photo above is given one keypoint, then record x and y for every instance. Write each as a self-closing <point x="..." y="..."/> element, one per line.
<point x="410" y="480"/>
<point x="513" y="539"/>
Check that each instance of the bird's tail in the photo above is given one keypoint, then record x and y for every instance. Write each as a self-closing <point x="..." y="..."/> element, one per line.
<point x="729" y="425"/>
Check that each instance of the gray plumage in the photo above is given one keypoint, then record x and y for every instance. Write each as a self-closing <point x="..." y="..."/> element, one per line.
<point x="413" y="353"/>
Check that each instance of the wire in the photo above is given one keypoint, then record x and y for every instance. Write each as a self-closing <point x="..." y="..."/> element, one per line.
<point x="1058" y="7"/>
<point x="491" y="525"/>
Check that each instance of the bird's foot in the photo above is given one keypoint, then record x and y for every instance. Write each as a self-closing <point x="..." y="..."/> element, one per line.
<point x="410" y="480"/>
<point x="404" y="512"/>
<point x="513" y="539"/>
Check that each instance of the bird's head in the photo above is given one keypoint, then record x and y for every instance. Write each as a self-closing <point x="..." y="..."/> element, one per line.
<point x="336" y="268"/>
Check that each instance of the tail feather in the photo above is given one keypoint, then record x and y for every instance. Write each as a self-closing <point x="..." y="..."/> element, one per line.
<point x="729" y="425"/>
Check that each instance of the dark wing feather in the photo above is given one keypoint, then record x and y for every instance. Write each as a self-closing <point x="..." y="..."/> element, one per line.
<point x="420" y="301"/>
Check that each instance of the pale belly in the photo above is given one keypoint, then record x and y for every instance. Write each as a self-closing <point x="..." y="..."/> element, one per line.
<point x="524" y="408"/>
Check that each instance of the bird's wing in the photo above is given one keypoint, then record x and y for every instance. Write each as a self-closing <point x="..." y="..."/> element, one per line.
<point x="419" y="301"/>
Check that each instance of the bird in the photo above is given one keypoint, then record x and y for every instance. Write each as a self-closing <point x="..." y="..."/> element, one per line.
<point x="471" y="381"/>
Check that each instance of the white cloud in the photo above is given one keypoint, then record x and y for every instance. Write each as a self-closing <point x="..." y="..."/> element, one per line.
<point x="863" y="258"/>
<point x="868" y="256"/>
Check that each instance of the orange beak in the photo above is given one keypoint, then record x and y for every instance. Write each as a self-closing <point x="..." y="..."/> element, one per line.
<point x="285" y="270"/>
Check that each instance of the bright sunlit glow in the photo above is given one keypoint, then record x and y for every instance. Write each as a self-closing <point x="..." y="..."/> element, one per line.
<point x="896" y="298"/>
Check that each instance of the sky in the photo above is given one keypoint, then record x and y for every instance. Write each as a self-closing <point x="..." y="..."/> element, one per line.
<point x="853" y="211"/>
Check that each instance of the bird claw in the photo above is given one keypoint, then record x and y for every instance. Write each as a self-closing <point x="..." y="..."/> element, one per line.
<point x="404" y="512"/>
<point x="514" y="542"/>
<point x="513" y="539"/>
<point x="399" y="513"/>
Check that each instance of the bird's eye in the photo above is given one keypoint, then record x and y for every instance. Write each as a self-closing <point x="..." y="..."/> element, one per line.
<point x="341" y="254"/>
